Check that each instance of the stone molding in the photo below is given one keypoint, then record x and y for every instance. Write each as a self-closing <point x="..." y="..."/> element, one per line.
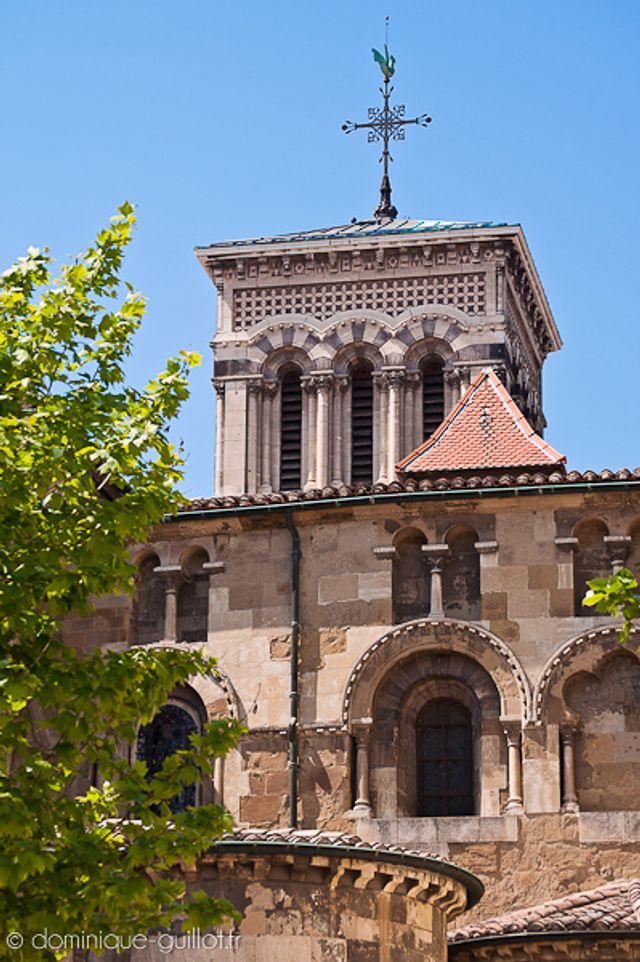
<point x="426" y="633"/>
<point x="561" y="658"/>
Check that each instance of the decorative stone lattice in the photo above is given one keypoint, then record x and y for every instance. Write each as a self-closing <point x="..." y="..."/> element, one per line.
<point x="465" y="291"/>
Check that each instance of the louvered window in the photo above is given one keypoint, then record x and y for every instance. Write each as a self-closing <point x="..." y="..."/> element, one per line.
<point x="290" y="431"/>
<point x="432" y="395"/>
<point x="361" y="424"/>
<point x="444" y="759"/>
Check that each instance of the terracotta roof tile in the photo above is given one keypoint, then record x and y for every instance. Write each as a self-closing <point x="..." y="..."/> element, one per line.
<point x="613" y="907"/>
<point x="409" y="485"/>
<point x="484" y="431"/>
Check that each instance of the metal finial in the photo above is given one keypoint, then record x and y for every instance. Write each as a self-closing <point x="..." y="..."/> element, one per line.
<point x="385" y="124"/>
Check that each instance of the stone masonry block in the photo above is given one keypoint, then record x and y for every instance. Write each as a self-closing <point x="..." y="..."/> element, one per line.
<point x="332" y="588"/>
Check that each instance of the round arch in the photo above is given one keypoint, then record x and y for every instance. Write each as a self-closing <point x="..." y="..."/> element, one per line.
<point x="424" y="348"/>
<point x="593" y="645"/>
<point x="423" y="634"/>
<point x="285" y="357"/>
<point x="216" y="690"/>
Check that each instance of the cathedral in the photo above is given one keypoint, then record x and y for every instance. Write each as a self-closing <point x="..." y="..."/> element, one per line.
<point x="390" y="573"/>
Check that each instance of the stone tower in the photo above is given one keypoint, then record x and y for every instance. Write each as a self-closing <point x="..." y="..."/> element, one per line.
<point x="339" y="350"/>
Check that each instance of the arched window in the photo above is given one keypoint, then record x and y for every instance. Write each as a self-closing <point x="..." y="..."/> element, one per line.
<point x="193" y="599"/>
<point x="461" y="575"/>
<point x="167" y="733"/>
<point x="290" y="431"/>
<point x="410" y="577"/>
<point x="432" y="395"/>
<point x="444" y="762"/>
<point x="361" y="423"/>
<point x="590" y="560"/>
<point x="148" y="612"/>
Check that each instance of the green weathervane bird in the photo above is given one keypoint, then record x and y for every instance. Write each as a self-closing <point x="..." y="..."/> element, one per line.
<point x="387" y="63"/>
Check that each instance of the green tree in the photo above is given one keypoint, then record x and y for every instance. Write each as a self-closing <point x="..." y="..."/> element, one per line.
<point x="85" y="465"/>
<point x="616" y="596"/>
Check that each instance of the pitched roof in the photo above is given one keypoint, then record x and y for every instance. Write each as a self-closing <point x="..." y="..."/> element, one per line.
<point x="363" y="228"/>
<point x="484" y="431"/>
<point x="443" y="485"/>
<point x="613" y="907"/>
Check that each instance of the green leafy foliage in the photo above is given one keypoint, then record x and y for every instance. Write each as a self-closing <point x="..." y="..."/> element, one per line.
<point x="616" y="595"/>
<point x="85" y="464"/>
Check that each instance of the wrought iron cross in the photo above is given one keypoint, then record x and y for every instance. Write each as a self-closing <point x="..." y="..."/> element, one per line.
<point x="385" y="124"/>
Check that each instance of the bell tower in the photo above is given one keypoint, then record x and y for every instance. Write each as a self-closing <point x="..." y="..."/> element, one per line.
<point x="338" y="351"/>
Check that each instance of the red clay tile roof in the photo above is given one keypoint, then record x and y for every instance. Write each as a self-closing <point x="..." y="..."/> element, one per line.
<point x="613" y="907"/>
<point x="456" y="483"/>
<point x="485" y="430"/>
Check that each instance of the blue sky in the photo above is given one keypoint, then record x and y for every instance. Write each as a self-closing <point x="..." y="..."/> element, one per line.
<point x="222" y="120"/>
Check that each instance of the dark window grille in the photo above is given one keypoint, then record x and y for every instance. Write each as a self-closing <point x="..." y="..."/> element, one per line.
<point x="290" y="432"/>
<point x="167" y="733"/>
<point x="444" y="759"/>
<point x="361" y="425"/>
<point x="432" y="396"/>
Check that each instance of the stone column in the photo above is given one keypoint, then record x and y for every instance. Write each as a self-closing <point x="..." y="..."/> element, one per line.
<point x="618" y="546"/>
<point x="395" y="380"/>
<point x="323" y="386"/>
<point x="218" y="478"/>
<point x="218" y="780"/>
<point x="309" y="389"/>
<point x="513" y="735"/>
<point x="568" y="763"/>
<point x="362" y="734"/>
<point x="174" y="576"/>
<point x="435" y="554"/>
<point x="381" y="383"/>
<point x="254" y="389"/>
<point x="412" y="435"/>
<point x="344" y="386"/>
<point x="269" y="389"/>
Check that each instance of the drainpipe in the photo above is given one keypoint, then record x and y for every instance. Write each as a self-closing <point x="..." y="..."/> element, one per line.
<point x="293" y="692"/>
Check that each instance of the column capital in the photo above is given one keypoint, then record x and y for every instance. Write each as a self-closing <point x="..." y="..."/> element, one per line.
<point x="218" y="385"/>
<point x="317" y="381"/>
<point x="254" y="385"/>
<point x="412" y="380"/>
<point x="567" y="544"/>
<point x="269" y="388"/>
<point x="435" y="554"/>
<point x="452" y="378"/>
<point x="569" y="731"/>
<point x="385" y="552"/>
<point x="618" y="547"/>
<point x="214" y="567"/>
<point x="395" y="376"/>
<point x="486" y="547"/>
<point x="512" y="729"/>
<point x="381" y="380"/>
<point x="173" y="575"/>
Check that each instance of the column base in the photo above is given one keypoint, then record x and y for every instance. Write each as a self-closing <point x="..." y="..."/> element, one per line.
<point x="570" y="808"/>
<point x="360" y="810"/>
<point x="514" y="807"/>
